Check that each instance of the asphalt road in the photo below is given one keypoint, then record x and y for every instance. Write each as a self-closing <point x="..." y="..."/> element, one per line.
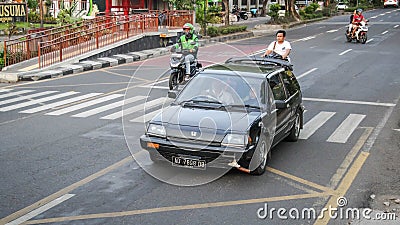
<point x="65" y="160"/>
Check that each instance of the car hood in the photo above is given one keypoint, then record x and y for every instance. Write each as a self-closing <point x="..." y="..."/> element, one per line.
<point x="185" y="122"/>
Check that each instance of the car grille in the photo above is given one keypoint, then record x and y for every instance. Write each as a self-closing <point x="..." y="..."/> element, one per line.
<point x="195" y="141"/>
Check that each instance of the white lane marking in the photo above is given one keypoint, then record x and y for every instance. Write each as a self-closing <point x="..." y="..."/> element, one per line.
<point x="396" y="26"/>
<point x="155" y="87"/>
<point x="382" y="14"/>
<point x="314" y="124"/>
<point x="83" y="105"/>
<point x="56" y="104"/>
<point x="5" y="90"/>
<point x="306" y="73"/>
<point x="348" y="50"/>
<point x="349" y="102"/>
<point x="374" y="17"/>
<point x="346" y="128"/>
<point x="396" y="129"/>
<point x="26" y="97"/>
<point x="108" y="107"/>
<point x="369" y="40"/>
<point x="134" y="109"/>
<point x="331" y="31"/>
<point x="41" y="209"/>
<point x="307" y="38"/>
<point x="384" y="32"/>
<point x="146" y="117"/>
<point x="36" y="101"/>
<point x="15" y="93"/>
<point x="157" y="82"/>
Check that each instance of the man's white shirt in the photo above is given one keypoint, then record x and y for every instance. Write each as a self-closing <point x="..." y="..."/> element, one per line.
<point x="279" y="48"/>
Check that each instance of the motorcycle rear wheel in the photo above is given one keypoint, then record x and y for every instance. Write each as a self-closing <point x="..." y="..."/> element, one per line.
<point x="348" y="37"/>
<point x="173" y="80"/>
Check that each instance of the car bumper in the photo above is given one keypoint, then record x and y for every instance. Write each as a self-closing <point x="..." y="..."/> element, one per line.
<point x="216" y="157"/>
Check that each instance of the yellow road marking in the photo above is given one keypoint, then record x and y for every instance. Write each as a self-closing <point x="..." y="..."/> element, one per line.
<point x="343" y="187"/>
<point x="175" y="208"/>
<point x="63" y="191"/>
<point x="298" y="179"/>
<point x="350" y="157"/>
<point x="116" y="74"/>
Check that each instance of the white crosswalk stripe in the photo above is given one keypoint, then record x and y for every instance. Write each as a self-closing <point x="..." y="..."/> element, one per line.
<point x="346" y="128"/>
<point x="56" y="104"/>
<point x="108" y="107"/>
<point x="83" y="105"/>
<point x="5" y="90"/>
<point x="26" y="97"/>
<point x="146" y="117"/>
<point x="134" y="109"/>
<point x="314" y="124"/>
<point x="15" y="93"/>
<point x="34" y="102"/>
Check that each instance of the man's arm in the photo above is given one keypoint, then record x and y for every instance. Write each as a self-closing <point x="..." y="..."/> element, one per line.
<point x="269" y="50"/>
<point x="287" y="52"/>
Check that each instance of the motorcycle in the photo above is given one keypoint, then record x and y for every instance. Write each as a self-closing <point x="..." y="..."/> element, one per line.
<point x="240" y="14"/>
<point x="178" y="68"/>
<point x="360" y="35"/>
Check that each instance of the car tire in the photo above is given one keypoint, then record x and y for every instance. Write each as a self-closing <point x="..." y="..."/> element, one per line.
<point x="295" y="131"/>
<point x="264" y="154"/>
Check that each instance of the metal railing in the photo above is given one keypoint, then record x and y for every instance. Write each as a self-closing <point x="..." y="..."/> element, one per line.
<point x="58" y="44"/>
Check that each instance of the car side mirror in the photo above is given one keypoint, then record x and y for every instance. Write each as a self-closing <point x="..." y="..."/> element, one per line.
<point x="279" y="104"/>
<point x="172" y="94"/>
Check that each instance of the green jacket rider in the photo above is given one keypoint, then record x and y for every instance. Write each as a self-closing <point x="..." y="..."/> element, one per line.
<point x="188" y="41"/>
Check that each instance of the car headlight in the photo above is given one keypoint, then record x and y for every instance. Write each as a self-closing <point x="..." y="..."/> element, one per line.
<point x="155" y="129"/>
<point x="237" y="140"/>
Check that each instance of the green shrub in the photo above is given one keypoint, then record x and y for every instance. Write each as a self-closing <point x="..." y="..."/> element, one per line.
<point x="212" y="31"/>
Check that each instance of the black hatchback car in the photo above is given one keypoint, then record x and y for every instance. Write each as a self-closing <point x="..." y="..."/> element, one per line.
<point x="229" y="115"/>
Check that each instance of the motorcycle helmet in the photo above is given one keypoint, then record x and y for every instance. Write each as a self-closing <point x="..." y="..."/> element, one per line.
<point x="188" y="29"/>
<point x="359" y="10"/>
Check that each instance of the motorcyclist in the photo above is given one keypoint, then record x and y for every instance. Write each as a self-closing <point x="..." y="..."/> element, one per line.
<point x="357" y="18"/>
<point x="280" y="46"/>
<point x="189" y="41"/>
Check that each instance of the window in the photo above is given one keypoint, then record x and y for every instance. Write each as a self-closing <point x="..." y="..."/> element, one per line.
<point x="290" y="82"/>
<point x="277" y="87"/>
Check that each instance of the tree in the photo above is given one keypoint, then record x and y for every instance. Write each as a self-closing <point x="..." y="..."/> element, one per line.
<point x="32" y="4"/>
<point x="292" y="10"/>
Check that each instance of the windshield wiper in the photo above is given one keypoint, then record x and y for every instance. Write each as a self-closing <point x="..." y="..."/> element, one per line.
<point x="194" y="102"/>
<point x="245" y="105"/>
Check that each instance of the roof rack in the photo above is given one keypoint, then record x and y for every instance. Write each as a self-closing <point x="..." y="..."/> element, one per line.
<point x="261" y="61"/>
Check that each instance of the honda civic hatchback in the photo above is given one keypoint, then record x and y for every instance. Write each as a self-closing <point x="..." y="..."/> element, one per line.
<point x="229" y="115"/>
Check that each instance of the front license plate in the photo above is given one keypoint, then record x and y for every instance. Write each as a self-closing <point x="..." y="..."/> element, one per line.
<point x="188" y="162"/>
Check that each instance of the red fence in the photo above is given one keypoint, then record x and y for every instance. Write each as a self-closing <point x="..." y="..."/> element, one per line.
<point x="55" y="45"/>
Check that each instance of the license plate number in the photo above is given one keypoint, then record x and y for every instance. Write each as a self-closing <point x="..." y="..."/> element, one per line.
<point x="188" y="162"/>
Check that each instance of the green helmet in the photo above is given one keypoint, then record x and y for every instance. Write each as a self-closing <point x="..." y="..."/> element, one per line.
<point x="189" y="26"/>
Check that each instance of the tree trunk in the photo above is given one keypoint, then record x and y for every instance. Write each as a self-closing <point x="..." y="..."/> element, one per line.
<point x="226" y="3"/>
<point x="264" y="7"/>
<point x="292" y="10"/>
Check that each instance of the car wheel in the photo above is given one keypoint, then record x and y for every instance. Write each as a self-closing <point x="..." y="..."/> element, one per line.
<point x="295" y="131"/>
<point x="173" y="80"/>
<point x="263" y="154"/>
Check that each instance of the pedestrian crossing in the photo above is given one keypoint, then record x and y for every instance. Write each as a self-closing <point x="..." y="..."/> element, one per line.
<point x="140" y="109"/>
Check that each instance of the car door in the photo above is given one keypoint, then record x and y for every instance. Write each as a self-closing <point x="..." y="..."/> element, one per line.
<point x="294" y="94"/>
<point x="283" y="112"/>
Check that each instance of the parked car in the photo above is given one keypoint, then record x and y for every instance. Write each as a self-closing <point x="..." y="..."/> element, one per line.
<point x="341" y="6"/>
<point x="393" y="3"/>
<point x="228" y="115"/>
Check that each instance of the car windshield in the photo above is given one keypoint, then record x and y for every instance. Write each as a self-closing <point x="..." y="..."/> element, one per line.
<point x="221" y="90"/>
